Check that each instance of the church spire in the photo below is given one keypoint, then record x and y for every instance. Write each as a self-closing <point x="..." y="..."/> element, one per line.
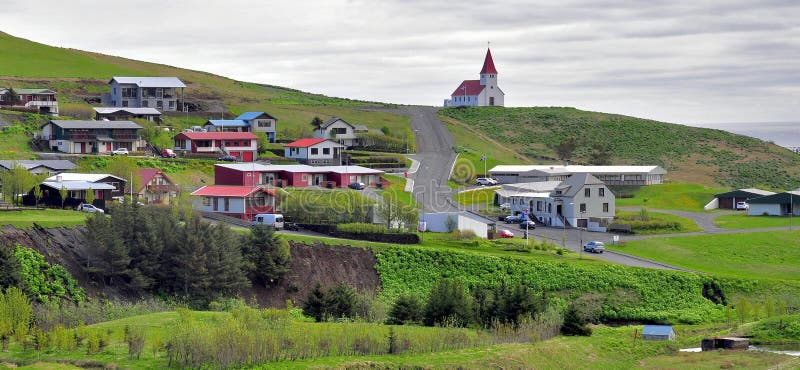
<point x="488" y="64"/>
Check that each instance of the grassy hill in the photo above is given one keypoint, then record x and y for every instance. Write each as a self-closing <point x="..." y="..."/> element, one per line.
<point x="75" y="74"/>
<point x="690" y="154"/>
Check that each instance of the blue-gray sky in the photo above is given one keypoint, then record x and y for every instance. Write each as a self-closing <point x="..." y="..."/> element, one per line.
<point x="683" y="62"/>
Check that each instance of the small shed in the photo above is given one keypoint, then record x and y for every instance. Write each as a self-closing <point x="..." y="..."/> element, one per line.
<point x="728" y="200"/>
<point x="658" y="332"/>
<point x="463" y="221"/>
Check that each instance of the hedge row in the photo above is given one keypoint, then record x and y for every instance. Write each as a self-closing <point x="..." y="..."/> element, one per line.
<point x="381" y="237"/>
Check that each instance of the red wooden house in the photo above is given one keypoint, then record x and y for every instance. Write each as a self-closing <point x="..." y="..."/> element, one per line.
<point x="242" y="145"/>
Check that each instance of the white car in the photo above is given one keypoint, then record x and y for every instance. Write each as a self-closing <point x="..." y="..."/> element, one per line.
<point x="742" y="205"/>
<point x="89" y="208"/>
<point x="505" y="206"/>
<point x="485" y="181"/>
<point x="120" y="151"/>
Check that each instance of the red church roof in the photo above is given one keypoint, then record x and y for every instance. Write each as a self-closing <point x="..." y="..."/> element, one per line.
<point x="305" y="142"/>
<point x="468" y="87"/>
<point x="488" y="64"/>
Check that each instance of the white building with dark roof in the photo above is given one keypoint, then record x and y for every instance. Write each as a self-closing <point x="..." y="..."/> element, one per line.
<point x="162" y="93"/>
<point x="610" y="175"/>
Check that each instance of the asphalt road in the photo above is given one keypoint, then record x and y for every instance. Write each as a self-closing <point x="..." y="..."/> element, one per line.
<point x="436" y="157"/>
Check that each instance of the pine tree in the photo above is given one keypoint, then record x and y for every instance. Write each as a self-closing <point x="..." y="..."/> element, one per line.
<point x="574" y="324"/>
<point x="407" y="309"/>
<point x="10" y="268"/>
<point x="314" y="305"/>
<point x="448" y="302"/>
<point x="269" y="254"/>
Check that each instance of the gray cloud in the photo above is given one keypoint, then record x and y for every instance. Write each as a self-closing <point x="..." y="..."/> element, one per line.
<point x="686" y="61"/>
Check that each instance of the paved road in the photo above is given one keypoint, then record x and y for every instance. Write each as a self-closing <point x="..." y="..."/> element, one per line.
<point x="436" y="157"/>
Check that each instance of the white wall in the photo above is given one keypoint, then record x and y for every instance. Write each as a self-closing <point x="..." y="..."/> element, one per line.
<point x="760" y="209"/>
<point x="437" y="222"/>
<point x="235" y="205"/>
<point x="301" y="153"/>
<point x="331" y="146"/>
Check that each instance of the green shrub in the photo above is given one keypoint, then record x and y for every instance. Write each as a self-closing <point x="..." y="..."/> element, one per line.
<point x="361" y="228"/>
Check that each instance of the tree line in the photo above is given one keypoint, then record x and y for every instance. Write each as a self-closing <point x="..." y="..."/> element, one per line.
<point x="150" y="249"/>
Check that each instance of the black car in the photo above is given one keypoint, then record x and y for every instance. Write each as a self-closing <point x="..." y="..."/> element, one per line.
<point x="228" y="158"/>
<point x="357" y="186"/>
<point x="290" y="226"/>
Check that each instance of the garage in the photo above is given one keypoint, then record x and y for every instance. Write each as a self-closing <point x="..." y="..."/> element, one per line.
<point x="730" y="199"/>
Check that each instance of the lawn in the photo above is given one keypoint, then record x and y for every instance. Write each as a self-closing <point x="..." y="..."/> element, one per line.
<point x="397" y="191"/>
<point x="668" y="196"/>
<point x="765" y="255"/>
<point x="472" y="144"/>
<point x="659" y="223"/>
<point x="743" y="221"/>
<point x="482" y="195"/>
<point x="42" y="217"/>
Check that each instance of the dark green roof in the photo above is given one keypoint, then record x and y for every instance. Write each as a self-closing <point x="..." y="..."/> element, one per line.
<point x="780" y="198"/>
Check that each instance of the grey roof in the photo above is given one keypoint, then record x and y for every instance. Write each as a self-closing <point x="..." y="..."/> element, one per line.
<point x="572" y="185"/>
<point x="653" y="170"/>
<point x="780" y="198"/>
<point x="539" y="186"/>
<point x="55" y="164"/>
<point x="361" y="128"/>
<point x="333" y="120"/>
<point x="745" y="193"/>
<point x="657" y="330"/>
<point x="95" y="124"/>
<point x="108" y="110"/>
<point x="86" y="177"/>
<point x="78" y="185"/>
<point x="150" y="81"/>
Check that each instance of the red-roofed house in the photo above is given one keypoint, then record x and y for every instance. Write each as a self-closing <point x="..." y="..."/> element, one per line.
<point x="155" y="187"/>
<point x="314" y="152"/>
<point x="243" y="145"/>
<point x="479" y="93"/>
<point x="235" y="201"/>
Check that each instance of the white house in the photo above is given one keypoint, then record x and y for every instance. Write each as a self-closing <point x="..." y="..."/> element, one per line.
<point x="310" y="151"/>
<point x="246" y="122"/>
<point x="610" y="175"/>
<point x="339" y="131"/>
<point x="582" y="200"/>
<point x="780" y="204"/>
<point x="479" y="93"/>
<point x="463" y="221"/>
<point x="162" y="93"/>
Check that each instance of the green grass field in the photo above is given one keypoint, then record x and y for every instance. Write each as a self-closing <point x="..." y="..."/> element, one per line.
<point x="765" y="255"/>
<point x="689" y="154"/>
<point x="43" y="217"/>
<point x="743" y="221"/>
<point x="396" y="190"/>
<point x="482" y="195"/>
<point x="685" y="225"/>
<point x="668" y="196"/>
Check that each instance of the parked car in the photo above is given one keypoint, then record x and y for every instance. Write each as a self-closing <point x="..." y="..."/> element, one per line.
<point x="505" y="233"/>
<point x="168" y="153"/>
<point x="270" y="219"/>
<point x="505" y="206"/>
<point x="120" y="151"/>
<point x="85" y="207"/>
<point x="513" y="219"/>
<point x="594" y="247"/>
<point x="357" y="186"/>
<point x="228" y="158"/>
<point x="290" y="226"/>
<point x="485" y="181"/>
<point x="527" y="224"/>
<point x="742" y="206"/>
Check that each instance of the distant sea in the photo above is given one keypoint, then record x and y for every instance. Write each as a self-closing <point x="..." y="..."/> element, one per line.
<point x="785" y="134"/>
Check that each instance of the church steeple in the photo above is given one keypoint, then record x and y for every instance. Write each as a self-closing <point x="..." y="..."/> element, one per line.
<point x="488" y="72"/>
<point x="488" y="64"/>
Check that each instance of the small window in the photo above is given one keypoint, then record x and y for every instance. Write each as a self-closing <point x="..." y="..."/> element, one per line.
<point x="587" y="192"/>
<point x="583" y="207"/>
<point x="326" y="151"/>
<point x="171" y="104"/>
<point x="314" y="151"/>
<point x="605" y="207"/>
<point x="145" y="103"/>
<point x="601" y="192"/>
<point x="206" y="201"/>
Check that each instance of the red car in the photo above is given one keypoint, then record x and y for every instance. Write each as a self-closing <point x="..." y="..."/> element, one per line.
<point x="505" y="233"/>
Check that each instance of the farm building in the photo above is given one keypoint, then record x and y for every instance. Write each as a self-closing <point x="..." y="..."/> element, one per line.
<point x="462" y="221"/>
<point x="610" y="175"/>
<point x="728" y="200"/>
<point x="775" y="205"/>
<point x="658" y="332"/>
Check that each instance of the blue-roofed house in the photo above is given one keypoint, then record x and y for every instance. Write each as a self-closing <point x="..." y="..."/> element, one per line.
<point x="247" y="122"/>
<point x="260" y="122"/>
<point x="658" y="332"/>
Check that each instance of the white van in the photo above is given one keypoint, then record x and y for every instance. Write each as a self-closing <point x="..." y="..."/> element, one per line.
<point x="270" y="219"/>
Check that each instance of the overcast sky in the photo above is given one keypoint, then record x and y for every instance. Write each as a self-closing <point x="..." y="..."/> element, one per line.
<point x="690" y="62"/>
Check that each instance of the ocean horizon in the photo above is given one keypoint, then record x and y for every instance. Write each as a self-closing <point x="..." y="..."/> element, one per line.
<point x="785" y="134"/>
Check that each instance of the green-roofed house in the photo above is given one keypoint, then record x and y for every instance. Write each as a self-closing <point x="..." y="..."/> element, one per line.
<point x="42" y="99"/>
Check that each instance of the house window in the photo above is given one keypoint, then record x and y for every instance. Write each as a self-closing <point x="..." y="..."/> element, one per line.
<point x="206" y="201"/>
<point x="601" y="192"/>
<point x="605" y="207"/>
<point x="124" y="103"/>
<point x="159" y="104"/>
<point x="304" y="178"/>
<point x="171" y="104"/>
<point x="587" y="192"/>
<point x="314" y="151"/>
<point x="539" y="205"/>
<point x="326" y="151"/>
<point x="583" y="208"/>
<point x="227" y="204"/>
<point x="145" y="103"/>
<point x="264" y="123"/>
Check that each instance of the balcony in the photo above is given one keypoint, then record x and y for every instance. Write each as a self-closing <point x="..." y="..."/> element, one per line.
<point x="125" y="137"/>
<point x="162" y="188"/>
<point x="80" y="137"/>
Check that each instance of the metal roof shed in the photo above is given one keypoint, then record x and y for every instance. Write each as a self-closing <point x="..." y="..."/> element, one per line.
<point x="658" y="332"/>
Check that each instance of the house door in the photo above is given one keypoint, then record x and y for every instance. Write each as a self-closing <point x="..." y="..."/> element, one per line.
<point x="582" y="222"/>
<point x="247" y="156"/>
<point x="108" y="147"/>
<point x="216" y="203"/>
<point x="317" y="179"/>
<point x="83" y="148"/>
<point x="491" y="100"/>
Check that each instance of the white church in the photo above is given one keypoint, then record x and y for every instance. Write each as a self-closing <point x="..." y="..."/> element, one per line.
<point x="479" y="93"/>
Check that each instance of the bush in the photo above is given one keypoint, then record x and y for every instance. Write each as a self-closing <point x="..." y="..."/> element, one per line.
<point x="407" y="309"/>
<point x="448" y="304"/>
<point x="575" y="324"/>
<point x="360" y="228"/>
<point x="337" y="302"/>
